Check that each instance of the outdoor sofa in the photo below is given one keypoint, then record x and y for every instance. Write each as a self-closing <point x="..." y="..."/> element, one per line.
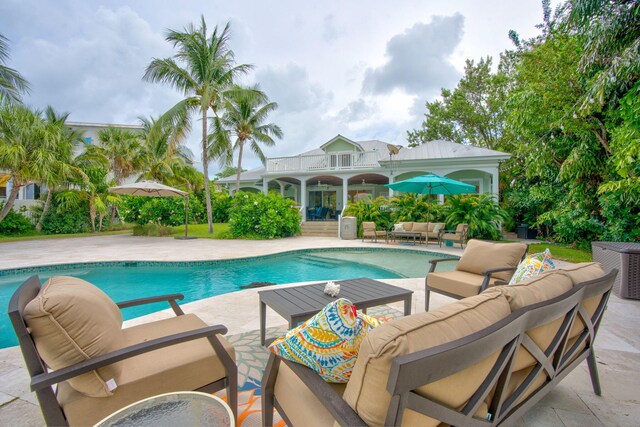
<point x="484" y="360"/>
<point x="428" y="230"/>
<point x="71" y="335"/>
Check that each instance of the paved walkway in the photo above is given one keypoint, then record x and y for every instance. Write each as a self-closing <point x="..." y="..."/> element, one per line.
<point x="571" y="404"/>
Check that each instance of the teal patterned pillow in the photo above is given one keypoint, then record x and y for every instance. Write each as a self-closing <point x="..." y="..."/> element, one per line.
<point x="532" y="266"/>
<point x="329" y="342"/>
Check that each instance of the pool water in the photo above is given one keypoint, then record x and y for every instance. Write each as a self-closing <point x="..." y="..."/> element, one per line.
<point x="197" y="280"/>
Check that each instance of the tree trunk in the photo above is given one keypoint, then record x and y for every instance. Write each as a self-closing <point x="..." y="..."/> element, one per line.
<point x="92" y="215"/>
<point x="239" y="171"/>
<point x="205" y="170"/>
<point x="45" y="209"/>
<point x="13" y="195"/>
<point x="100" y="218"/>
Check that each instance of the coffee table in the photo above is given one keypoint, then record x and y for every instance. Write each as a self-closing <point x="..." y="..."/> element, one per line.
<point x="182" y="408"/>
<point x="299" y="303"/>
<point x="407" y="234"/>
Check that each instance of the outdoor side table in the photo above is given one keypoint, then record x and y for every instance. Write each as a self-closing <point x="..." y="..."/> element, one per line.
<point x="183" y="408"/>
<point x="299" y="303"/>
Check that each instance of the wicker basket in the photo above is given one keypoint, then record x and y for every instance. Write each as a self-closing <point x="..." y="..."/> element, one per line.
<point x="626" y="258"/>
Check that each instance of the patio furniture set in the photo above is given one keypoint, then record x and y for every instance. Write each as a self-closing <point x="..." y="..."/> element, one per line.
<point x="417" y="232"/>
<point x="483" y="360"/>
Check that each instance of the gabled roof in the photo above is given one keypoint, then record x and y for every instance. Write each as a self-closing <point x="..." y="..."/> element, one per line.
<point x="440" y="149"/>
<point x="250" y="175"/>
<point x="337" y="137"/>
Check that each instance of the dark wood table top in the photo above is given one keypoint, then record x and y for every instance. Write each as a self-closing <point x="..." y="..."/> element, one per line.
<point x="309" y="299"/>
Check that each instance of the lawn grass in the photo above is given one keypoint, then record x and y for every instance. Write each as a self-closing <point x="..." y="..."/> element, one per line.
<point x="201" y="231"/>
<point x="562" y="252"/>
<point x="36" y="235"/>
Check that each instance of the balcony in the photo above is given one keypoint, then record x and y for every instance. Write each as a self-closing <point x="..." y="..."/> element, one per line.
<point x="324" y="162"/>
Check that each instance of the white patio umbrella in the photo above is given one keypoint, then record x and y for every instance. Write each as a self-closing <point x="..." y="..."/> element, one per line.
<point x="155" y="189"/>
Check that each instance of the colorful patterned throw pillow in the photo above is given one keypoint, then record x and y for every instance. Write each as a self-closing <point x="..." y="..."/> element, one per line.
<point x="398" y="227"/>
<point x="329" y="342"/>
<point x="532" y="266"/>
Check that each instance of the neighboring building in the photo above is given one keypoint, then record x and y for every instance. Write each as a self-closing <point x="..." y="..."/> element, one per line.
<point x="342" y="170"/>
<point x="29" y="194"/>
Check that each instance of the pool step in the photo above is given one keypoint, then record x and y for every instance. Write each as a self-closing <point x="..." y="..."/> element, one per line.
<point x="321" y="262"/>
<point x="320" y="228"/>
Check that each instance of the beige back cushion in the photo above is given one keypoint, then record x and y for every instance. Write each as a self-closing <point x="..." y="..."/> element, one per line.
<point x="408" y="226"/>
<point x="480" y="256"/>
<point x="71" y="321"/>
<point x="420" y="227"/>
<point x="532" y="291"/>
<point x="584" y="271"/>
<point x="366" y="391"/>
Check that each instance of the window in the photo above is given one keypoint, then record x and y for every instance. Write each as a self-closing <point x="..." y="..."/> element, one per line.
<point x="87" y="140"/>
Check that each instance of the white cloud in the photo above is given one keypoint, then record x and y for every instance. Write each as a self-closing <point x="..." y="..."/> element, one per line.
<point x="417" y="60"/>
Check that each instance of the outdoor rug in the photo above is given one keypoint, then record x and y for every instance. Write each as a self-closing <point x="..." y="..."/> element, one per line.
<point x="251" y="358"/>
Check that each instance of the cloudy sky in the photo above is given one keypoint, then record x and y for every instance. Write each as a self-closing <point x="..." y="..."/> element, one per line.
<point x="363" y="69"/>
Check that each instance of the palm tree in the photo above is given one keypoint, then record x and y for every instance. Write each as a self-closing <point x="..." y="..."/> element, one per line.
<point x="123" y="149"/>
<point x="27" y="150"/>
<point x="203" y="69"/>
<point x="164" y="155"/>
<point x="63" y="141"/>
<point x="245" y="114"/>
<point x="12" y="84"/>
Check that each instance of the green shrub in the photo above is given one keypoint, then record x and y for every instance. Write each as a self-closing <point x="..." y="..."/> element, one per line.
<point x="622" y="218"/>
<point x="15" y="223"/>
<point x="481" y="212"/>
<point x="152" y="229"/>
<point x="66" y="221"/>
<point x="160" y="210"/>
<point x="259" y="216"/>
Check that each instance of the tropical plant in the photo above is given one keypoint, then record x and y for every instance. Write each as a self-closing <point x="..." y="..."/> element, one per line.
<point x="203" y="69"/>
<point x="63" y="142"/>
<point x="164" y="156"/>
<point x="66" y="221"/>
<point x="481" y="212"/>
<point x="123" y="149"/>
<point x="14" y="223"/>
<point x="160" y="210"/>
<point x="416" y="207"/>
<point x="12" y="84"/>
<point x="378" y="210"/>
<point x="245" y="112"/>
<point x="260" y="216"/>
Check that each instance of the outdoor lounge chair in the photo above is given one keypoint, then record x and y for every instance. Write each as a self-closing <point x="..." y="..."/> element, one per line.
<point x="457" y="236"/>
<point x="369" y="231"/>
<point x="70" y="334"/>
<point x="481" y="265"/>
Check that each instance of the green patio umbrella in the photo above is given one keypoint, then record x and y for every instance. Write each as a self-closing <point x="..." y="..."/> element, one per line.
<point x="431" y="184"/>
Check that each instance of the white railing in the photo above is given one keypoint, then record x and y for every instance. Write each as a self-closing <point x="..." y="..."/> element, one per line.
<point x="331" y="161"/>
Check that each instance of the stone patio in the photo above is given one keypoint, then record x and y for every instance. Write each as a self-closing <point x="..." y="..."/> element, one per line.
<point x="572" y="403"/>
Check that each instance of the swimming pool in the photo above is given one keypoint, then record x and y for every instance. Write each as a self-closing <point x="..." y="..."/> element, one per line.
<point x="202" y="279"/>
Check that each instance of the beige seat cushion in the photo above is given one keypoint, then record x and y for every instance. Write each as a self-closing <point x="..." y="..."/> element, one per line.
<point x="479" y="256"/>
<point x="186" y="366"/>
<point x="366" y="392"/>
<point x="299" y="403"/>
<point x="70" y="321"/>
<point x="458" y="283"/>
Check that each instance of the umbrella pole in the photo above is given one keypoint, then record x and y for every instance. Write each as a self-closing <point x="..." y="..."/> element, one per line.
<point x="186" y="215"/>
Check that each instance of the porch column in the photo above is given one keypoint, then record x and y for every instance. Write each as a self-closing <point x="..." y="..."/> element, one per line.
<point x="495" y="184"/>
<point x="265" y="186"/>
<point x="303" y="198"/>
<point x="281" y="188"/>
<point x="345" y="192"/>
<point x="391" y="181"/>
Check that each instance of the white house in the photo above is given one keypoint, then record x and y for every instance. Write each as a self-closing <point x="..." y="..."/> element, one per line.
<point x="341" y="170"/>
